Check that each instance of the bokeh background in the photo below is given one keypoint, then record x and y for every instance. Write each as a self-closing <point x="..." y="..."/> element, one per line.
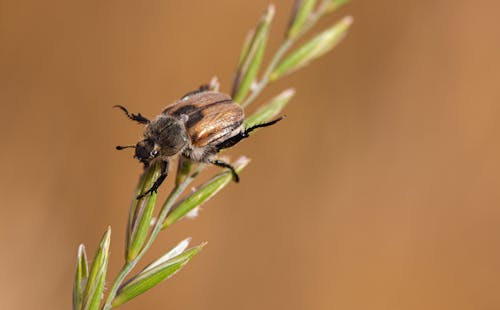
<point x="379" y="191"/>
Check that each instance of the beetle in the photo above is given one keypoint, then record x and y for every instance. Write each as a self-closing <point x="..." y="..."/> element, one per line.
<point x="197" y="127"/>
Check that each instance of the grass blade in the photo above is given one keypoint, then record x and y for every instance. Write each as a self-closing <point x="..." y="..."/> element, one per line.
<point x="141" y="213"/>
<point x="332" y="5"/>
<point x="184" y="167"/>
<point x="176" y="250"/>
<point x="316" y="47"/>
<point x="153" y="275"/>
<point x="301" y="12"/>
<point x="204" y="193"/>
<point x="95" y="284"/>
<point x="271" y="109"/>
<point x="246" y="47"/>
<point x="81" y="277"/>
<point x="251" y="58"/>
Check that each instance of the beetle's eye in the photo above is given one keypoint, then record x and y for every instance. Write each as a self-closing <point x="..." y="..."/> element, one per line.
<point x="154" y="153"/>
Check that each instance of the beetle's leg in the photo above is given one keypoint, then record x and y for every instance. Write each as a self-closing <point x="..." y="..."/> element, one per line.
<point x="202" y="88"/>
<point x="244" y="134"/>
<point x="159" y="181"/>
<point x="135" y="117"/>
<point x="222" y="164"/>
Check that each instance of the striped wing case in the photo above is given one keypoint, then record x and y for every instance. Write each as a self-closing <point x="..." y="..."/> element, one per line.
<point x="213" y="117"/>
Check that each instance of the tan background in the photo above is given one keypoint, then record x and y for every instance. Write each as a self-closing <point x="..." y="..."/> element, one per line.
<point x="379" y="191"/>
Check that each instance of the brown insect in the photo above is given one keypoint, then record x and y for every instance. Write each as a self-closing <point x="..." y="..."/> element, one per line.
<point x="197" y="127"/>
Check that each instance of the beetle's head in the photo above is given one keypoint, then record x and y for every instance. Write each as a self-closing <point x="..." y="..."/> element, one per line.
<point x="145" y="151"/>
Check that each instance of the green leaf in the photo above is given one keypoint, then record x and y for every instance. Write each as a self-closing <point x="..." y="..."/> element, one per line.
<point x="271" y="109"/>
<point x="175" y="251"/>
<point x="141" y="213"/>
<point x="332" y="5"/>
<point x="251" y="58"/>
<point x="316" y="47"/>
<point x="184" y="167"/>
<point x="95" y="284"/>
<point x="246" y="47"/>
<point x="204" y="193"/>
<point x="81" y="276"/>
<point x="153" y="274"/>
<point x="301" y="11"/>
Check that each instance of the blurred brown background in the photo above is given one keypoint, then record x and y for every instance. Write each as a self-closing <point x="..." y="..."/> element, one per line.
<point x="379" y="191"/>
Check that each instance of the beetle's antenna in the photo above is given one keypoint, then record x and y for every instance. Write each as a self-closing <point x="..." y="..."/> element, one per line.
<point x="120" y="147"/>
<point x="135" y="117"/>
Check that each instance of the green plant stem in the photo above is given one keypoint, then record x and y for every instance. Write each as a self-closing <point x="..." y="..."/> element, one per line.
<point x="285" y="46"/>
<point x="128" y="266"/>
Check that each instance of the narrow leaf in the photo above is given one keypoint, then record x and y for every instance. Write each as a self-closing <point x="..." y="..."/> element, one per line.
<point x="316" y="47"/>
<point x="184" y="167"/>
<point x="245" y="48"/>
<point x="141" y="213"/>
<point x="301" y="11"/>
<point x="150" y="277"/>
<point x="271" y="109"/>
<point x="176" y="250"/>
<point x="332" y="5"/>
<point x="204" y="193"/>
<point x="251" y="58"/>
<point x="81" y="276"/>
<point x="95" y="284"/>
